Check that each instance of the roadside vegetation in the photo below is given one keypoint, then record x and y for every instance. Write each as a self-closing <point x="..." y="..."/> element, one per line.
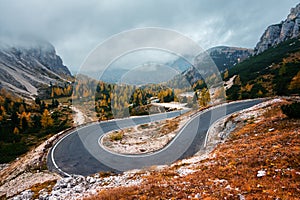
<point x="144" y="138"/>
<point x="292" y="110"/>
<point x="116" y="101"/>
<point x="273" y="72"/>
<point x="25" y="124"/>
<point x="260" y="160"/>
<point x="116" y="135"/>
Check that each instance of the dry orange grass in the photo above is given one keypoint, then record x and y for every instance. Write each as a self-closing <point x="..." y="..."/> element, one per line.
<point x="170" y="126"/>
<point x="48" y="185"/>
<point x="272" y="146"/>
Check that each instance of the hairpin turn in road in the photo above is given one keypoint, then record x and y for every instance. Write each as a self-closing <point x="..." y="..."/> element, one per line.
<point x="79" y="152"/>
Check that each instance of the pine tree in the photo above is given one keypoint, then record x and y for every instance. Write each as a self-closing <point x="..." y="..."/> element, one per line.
<point x="295" y="83"/>
<point x="15" y="118"/>
<point x="38" y="101"/>
<point x="46" y="119"/>
<point x="226" y="74"/>
<point x="16" y="131"/>
<point x="204" y="97"/>
<point x="237" y="80"/>
<point x="37" y="121"/>
<point x="43" y="106"/>
<point x="24" y="123"/>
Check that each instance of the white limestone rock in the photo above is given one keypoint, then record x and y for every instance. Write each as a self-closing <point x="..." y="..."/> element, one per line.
<point x="281" y="32"/>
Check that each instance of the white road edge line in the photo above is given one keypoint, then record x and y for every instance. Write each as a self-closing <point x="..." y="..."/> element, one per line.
<point x="226" y="116"/>
<point x="212" y="125"/>
<point x="201" y="112"/>
<point x="52" y="156"/>
<point x="177" y="135"/>
<point x="165" y="147"/>
<point x="54" y="147"/>
<point x="140" y="155"/>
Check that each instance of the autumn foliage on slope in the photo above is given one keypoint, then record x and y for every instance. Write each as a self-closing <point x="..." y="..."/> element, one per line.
<point x="259" y="161"/>
<point x="24" y="124"/>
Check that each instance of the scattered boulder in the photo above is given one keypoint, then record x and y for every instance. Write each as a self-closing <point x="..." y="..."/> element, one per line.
<point x="25" y="195"/>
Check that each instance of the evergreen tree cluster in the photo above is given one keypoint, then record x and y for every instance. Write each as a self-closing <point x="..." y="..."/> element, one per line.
<point x="273" y="72"/>
<point x="121" y="100"/>
<point x="292" y="110"/>
<point x="23" y="123"/>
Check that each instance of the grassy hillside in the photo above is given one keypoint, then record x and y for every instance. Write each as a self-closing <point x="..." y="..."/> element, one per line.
<point x="273" y="72"/>
<point x="23" y="125"/>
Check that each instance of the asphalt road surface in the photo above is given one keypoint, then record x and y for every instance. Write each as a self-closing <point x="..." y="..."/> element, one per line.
<point x="80" y="153"/>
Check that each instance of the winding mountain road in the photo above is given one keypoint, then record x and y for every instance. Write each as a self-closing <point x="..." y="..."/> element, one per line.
<point x="80" y="153"/>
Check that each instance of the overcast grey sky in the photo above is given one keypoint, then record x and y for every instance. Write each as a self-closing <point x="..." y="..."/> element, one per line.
<point x="76" y="27"/>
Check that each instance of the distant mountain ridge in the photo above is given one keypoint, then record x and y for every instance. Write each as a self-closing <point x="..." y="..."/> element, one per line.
<point x="226" y="57"/>
<point x="277" y="33"/>
<point x="27" y="66"/>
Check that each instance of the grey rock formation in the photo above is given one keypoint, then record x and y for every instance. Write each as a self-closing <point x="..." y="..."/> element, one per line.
<point x="25" y="195"/>
<point x="79" y="187"/>
<point x="278" y="33"/>
<point x="26" y="65"/>
<point x="222" y="56"/>
<point x="227" y="57"/>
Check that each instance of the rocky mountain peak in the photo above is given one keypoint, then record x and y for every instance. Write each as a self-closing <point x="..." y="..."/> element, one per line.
<point x="28" y="64"/>
<point x="294" y="13"/>
<point x="41" y="50"/>
<point x="277" y="33"/>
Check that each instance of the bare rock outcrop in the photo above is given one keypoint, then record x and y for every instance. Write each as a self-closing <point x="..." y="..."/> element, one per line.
<point x="277" y="33"/>
<point x="29" y="64"/>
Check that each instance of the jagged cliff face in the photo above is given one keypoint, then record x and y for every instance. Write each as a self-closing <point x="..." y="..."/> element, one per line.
<point x="224" y="57"/>
<point x="227" y="57"/>
<point x="25" y="68"/>
<point x="277" y="33"/>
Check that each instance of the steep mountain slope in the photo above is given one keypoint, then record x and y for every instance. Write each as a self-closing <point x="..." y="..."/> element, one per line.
<point x="275" y="67"/>
<point x="227" y="57"/>
<point x="276" y="71"/>
<point x="277" y="33"/>
<point x="223" y="57"/>
<point x="27" y="67"/>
